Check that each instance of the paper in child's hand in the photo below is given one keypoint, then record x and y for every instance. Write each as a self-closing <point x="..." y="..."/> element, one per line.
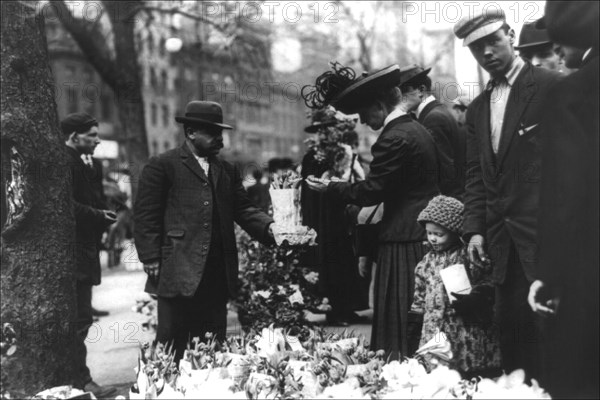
<point x="455" y="280"/>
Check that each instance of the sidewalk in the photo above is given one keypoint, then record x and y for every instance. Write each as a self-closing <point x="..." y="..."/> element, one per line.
<point x="113" y="342"/>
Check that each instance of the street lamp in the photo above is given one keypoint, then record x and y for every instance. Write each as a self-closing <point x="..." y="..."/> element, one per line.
<point x="173" y="44"/>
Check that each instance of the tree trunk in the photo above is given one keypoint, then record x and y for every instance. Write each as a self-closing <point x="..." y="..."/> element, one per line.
<point x="129" y="90"/>
<point x="37" y="273"/>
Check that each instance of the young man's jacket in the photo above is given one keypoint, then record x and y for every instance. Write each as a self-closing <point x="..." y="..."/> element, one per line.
<point x="88" y="203"/>
<point x="174" y="219"/>
<point x="503" y="190"/>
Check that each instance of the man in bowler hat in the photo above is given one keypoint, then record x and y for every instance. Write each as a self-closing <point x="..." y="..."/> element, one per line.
<point x="188" y="200"/>
<point x="91" y="219"/>
<point x="503" y="179"/>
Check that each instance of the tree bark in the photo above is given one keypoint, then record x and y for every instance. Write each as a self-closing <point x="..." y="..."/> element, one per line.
<point x="37" y="272"/>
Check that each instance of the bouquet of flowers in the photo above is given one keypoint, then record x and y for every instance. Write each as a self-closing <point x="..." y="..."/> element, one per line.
<point x="285" y="198"/>
<point x="327" y="151"/>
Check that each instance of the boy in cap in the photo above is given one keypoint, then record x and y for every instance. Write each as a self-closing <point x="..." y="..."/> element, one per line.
<point x="188" y="199"/>
<point x="91" y="219"/>
<point x="503" y="174"/>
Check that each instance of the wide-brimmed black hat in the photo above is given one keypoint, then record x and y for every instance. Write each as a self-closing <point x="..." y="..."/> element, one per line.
<point x="365" y="87"/>
<point x="531" y="36"/>
<point x="412" y="72"/>
<point x="203" y="113"/>
<point x="340" y="89"/>
<point x="324" y="123"/>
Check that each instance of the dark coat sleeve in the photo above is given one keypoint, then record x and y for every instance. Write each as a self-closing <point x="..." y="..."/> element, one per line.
<point x="389" y="156"/>
<point x="149" y="210"/>
<point x="252" y="219"/>
<point x="475" y="195"/>
<point x="444" y="130"/>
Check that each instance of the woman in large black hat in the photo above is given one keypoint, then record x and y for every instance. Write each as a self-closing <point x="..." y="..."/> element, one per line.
<point x="402" y="176"/>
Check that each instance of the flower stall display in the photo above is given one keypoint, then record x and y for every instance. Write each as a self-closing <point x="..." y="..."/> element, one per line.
<point x="285" y="199"/>
<point x="275" y="365"/>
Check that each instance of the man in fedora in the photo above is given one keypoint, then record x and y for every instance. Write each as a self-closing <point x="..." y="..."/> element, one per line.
<point x="438" y="119"/>
<point x="503" y="179"/>
<point x="536" y="47"/>
<point x="188" y="200"/>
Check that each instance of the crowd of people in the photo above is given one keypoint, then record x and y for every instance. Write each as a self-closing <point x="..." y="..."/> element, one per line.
<point x="502" y="190"/>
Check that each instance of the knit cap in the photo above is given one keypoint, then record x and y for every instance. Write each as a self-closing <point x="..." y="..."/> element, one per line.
<point x="444" y="211"/>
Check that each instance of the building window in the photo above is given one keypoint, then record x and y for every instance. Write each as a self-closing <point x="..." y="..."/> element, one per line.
<point x="153" y="114"/>
<point x="161" y="47"/>
<point x="164" y="80"/>
<point x="73" y="101"/>
<point x="153" y="81"/>
<point x="154" y="147"/>
<point x="70" y="71"/>
<point x="150" y="43"/>
<point x="106" y="107"/>
<point x="167" y="145"/>
<point x="165" y="115"/>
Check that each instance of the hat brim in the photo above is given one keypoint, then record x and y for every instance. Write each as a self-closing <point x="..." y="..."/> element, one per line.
<point x="354" y="96"/>
<point x="531" y="46"/>
<point x="415" y="77"/>
<point x="199" y="121"/>
<point x="314" y="128"/>
<point x="482" y="32"/>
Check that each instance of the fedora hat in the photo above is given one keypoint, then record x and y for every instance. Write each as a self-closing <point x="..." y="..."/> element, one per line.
<point x="412" y="72"/>
<point x="363" y="88"/>
<point x="203" y="113"/>
<point x="531" y="36"/>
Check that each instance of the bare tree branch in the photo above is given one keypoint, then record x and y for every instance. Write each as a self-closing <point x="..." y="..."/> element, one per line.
<point x="92" y="42"/>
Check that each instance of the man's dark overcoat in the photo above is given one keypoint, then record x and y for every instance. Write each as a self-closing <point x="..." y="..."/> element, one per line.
<point x="569" y="233"/>
<point x="89" y="201"/>
<point x="174" y="219"/>
<point x="503" y="190"/>
<point x="451" y="147"/>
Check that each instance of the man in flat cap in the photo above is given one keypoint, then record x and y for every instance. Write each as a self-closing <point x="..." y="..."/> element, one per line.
<point x="188" y="200"/>
<point x="435" y="116"/>
<point x="567" y="290"/>
<point x="91" y="219"/>
<point x="503" y="176"/>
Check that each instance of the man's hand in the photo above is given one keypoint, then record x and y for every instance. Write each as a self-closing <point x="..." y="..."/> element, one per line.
<point x="270" y="230"/>
<point x="319" y="185"/>
<point x="542" y="308"/>
<point x="110" y="217"/>
<point x="477" y="254"/>
<point x="152" y="269"/>
<point x="364" y="266"/>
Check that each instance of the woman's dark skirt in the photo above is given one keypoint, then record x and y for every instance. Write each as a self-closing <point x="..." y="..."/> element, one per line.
<point x="394" y="290"/>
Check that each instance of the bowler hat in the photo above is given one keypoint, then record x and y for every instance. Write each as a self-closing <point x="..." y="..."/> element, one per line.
<point x="203" y="113"/>
<point x="413" y="73"/>
<point x="363" y="89"/>
<point x="531" y="36"/>
<point x="479" y="24"/>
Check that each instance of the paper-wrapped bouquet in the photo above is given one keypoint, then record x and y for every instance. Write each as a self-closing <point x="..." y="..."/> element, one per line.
<point x="285" y="197"/>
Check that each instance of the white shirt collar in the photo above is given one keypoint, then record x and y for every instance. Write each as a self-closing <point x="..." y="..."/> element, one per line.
<point x="424" y="103"/>
<point x="397" y="112"/>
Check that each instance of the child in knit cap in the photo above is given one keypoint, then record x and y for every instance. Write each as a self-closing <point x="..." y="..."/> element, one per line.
<point x="467" y="321"/>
